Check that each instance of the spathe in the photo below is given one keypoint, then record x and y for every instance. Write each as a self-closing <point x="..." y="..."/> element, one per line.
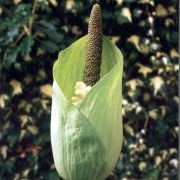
<point x="87" y="139"/>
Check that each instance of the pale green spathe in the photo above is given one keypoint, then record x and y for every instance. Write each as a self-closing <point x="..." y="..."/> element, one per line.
<point x="87" y="139"/>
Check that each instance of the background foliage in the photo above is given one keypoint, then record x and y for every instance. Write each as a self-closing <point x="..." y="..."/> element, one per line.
<point x="31" y="35"/>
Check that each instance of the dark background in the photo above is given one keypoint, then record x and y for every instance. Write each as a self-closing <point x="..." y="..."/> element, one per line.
<point x="31" y="35"/>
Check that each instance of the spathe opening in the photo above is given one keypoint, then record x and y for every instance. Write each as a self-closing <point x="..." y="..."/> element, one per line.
<point x="69" y="67"/>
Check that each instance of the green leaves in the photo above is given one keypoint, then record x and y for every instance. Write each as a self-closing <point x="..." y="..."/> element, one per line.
<point x="86" y="140"/>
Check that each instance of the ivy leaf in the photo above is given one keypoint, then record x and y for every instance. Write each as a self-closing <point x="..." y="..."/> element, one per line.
<point x="26" y="45"/>
<point x="69" y="4"/>
<point x="134" y="39"/>
<point x="161" y="11"/>
<point x="133" y="83"/>
<point x="16" y="1"/>
<point x="174" y="53"/>
<point x="16" y="85"/>
<point x="119" y="1"/>
<point x="157" y="82"/>
<point x="144" y="70"/>
<point x="23" y="119"/>
<point x="33" y="129"/>
<point x="153" y="114"/>
<point x="4" y="150"/>
<point x="50" y="30"/>
<point x="129" y="129"/>
<point x="126" y="13"/>
<point x="46" y="90"/>
<point x="22" y="134"/>
<point x="25" y="173"/>
<point x="49" y="46"/>
<point x="12" y="54"/>
<point x="12" y="33"/>
<point x="53" y="2"/>
<point x="3" y="98"/>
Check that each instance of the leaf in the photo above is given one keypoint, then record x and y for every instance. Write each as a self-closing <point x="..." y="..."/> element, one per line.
<point x="75" y="30"/>
<point x="161" y="11"/>
<point x="169" y="22"/>
<point x="120" y="19"/>
<point x="12" y="54"/>
<point x="171" y="10"/>
<point x="16" y="176"/>
<point x="27" y="58"/>
<point x="50" y="30"/>
<point x="131" y="93"/>
<point x="22" y="134"/>
<point x="16" y="85"/>
<point x="49" y="46"/>
<point x="163" y="110"/>
<point x="144" y="48"/>
<point x="129" y="129"/>
<point x="3" y="98"/>
<point x="157" y="82"/>
<point x="174" y="162"/>
<point x="72" y="126"/>
<point x="119" y="1"/>
<point x="45" y="103"/>
<point x="144" y="70"/>
<point x="115" y="39"/>
<point x="26" y="45"/>
<point x="157" y="161"/>
<point x="12" y="33"/>
<point x="17" y="1"/>
<point x="40" y="51"/>
<point x="4" y="150"/>
<point x="133" y="83"/>
<point x="174" y="53"/>
<point x="28" y="79"/>
<point x="135" y="40"/>
<point x="153" y="175"/>
<point x="126" y="13"/>
<point x="41" y="74"/>
<point x="144" y="1"/>
<point x="46" y="90"/>
<point x="153" y="114"/>
<point x="6" y="125"/>
<point x="142" y="165"/>
<point x="69" y="4"/>
<point x="33" y="129"/>
<point x="24" y="119"/>
<point x="25" y="173"/>
<point x="1" y="10"/>
<point x="53" y="2"/>
<point x="52" y="174"/>
<point x="25" y="105"/>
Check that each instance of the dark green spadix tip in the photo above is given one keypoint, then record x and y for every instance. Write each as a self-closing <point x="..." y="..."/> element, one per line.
<point x="94" y="47"/>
